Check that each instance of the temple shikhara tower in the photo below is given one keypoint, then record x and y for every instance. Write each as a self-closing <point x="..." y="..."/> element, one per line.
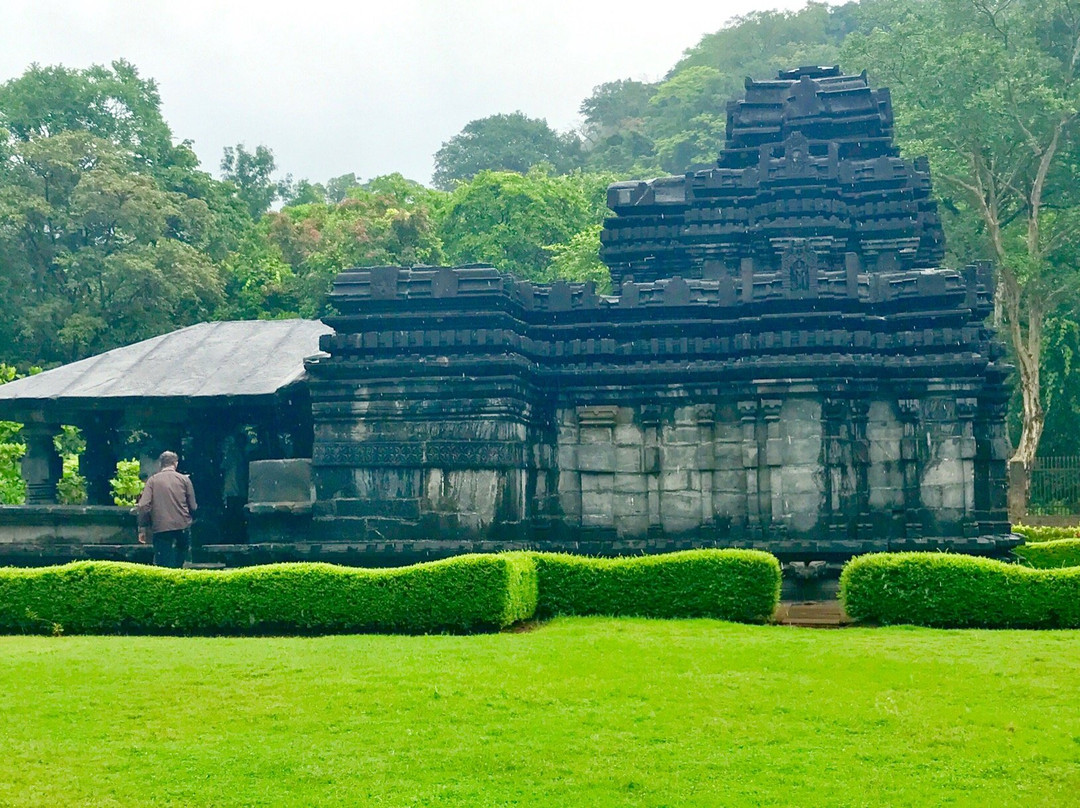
<point x="783" y="363"/>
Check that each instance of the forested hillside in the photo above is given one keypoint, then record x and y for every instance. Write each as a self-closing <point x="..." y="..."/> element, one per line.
<point x="111" y="231"/>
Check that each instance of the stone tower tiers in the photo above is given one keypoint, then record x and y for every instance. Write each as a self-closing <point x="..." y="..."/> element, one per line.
<point x="783" y="365"/>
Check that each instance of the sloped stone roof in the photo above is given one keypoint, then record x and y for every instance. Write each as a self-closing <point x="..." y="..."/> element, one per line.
<point x="208" y="360"/>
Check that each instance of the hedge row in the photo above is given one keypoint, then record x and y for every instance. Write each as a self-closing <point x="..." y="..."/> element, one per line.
<point x="1046" y="555"/>
<point x="1041" y="533"/>
<point x="466" y="593"/>
<point x="954" y="591"/>
<point x="462" y="594"/>
<point x="741" y="585"/>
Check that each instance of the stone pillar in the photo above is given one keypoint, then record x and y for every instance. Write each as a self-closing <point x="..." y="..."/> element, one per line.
<point x="706" y="459"/>
<point x="650" y="416"/>
<point x="992" y="493"/>
<point x="910" y="454"/>
<point x="98" y="462"/>
<point x="860" y="460"/>
<point x="770" y="481"/>
<point x="966" y="408"/>
<point x="748" y="418"/>
<point x="41" y="465"/>
<point x="834" y="418"/>
<point x="569" y="484"/>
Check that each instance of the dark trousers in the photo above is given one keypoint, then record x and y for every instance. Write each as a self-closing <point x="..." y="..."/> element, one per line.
<point x="171" y="548"/>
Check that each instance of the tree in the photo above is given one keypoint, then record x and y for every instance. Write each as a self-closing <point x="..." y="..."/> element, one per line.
<point x="511" y="142"/>
<point x="288" y="264"/>
<point x="689" y="116"/>
<point x="614" y="128"/>
<point x="639" y="129"/>
<point x="114" y="104"/>
<point x="513" y="220"/>
<point x="989" y="89"/>
<point x="763" y="42"/>
<point x="12" y="485"/>
<point x="338" y="187"/>
<point x="95" y="254"/>
<point x="303" y="193"/>
<point x="253" y="175"/>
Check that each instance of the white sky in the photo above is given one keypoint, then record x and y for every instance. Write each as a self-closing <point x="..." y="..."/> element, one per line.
<point x="367" y="87"/>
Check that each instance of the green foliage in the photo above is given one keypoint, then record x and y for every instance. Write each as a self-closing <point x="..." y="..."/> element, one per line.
<point x="111" y="103"/>
<point x="578" y="259"/>
<point x="253" y="175"/>
<point x="1000" y="135"/>
<point x="638" y="129"/>
<point x="126" y="485"/>
<point x="97" y="254"/>
<point x="287" y="265"/>
<point x="1046" y="555"/>
<point x="741" y="585"/>
<point x="466" y="593"/>
<point x="1041" y="533"/>
<point x="511" y="142"/>
<point x="12" y="486"/>
<point x="71" y="487"/>
<point x="954" y="591"/>
<point x="513" y="221"/>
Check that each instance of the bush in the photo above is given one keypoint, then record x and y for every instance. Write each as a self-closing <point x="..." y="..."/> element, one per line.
<point x="466" y="593"/>
<point x="954" y="591"/>
<point x="126" y="485"/>
<point x="739" y="585"/>
<point x="1040" y="533"/>
<point x="1046" y="555"/>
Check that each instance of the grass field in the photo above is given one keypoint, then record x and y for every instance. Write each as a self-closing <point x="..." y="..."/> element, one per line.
<point x="580" y="712"/>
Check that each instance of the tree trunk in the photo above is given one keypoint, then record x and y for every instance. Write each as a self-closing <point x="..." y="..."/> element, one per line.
<point x="1028" y="351"/>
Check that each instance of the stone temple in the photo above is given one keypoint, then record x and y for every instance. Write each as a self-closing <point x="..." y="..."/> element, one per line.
<point x="783" y="364"/>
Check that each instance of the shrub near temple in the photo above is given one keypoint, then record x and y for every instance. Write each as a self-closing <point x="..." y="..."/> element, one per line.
<point x="1041" y="533"/>
<point x="954" y="591"/>
<point x="1049" y="554"/>
<point x="466" y="593"/>
<point x="739" y="585"/>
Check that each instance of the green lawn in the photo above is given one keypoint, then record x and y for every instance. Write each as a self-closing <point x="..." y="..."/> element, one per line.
<point x="578" y="712"/>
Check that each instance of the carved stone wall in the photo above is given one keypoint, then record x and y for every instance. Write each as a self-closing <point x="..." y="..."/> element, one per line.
<point x="782" y="365"/>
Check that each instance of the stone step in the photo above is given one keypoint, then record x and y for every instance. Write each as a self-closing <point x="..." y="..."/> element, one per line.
<point x="811" y="614"/>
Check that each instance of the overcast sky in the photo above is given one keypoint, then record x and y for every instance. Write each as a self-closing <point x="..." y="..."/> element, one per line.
<point x="364" y="87"/>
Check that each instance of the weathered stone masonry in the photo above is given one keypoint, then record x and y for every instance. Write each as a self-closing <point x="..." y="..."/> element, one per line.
<point x="783" y="365"/>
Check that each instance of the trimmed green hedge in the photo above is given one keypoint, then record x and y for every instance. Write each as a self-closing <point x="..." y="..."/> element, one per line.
<point x="1048" y="555"/>
<point x="466" y="593"/>
<point x="739" y="585"/>
<point x="461" y="594"/>
<point x="1041" y="533"/>
<point x="955" y="591"/>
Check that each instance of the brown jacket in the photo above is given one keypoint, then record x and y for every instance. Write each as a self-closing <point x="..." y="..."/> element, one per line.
<point x="167" y="502"/>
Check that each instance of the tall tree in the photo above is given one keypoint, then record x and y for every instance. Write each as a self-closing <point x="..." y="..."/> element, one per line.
<point x="990" y="90"/>
<point x="614" y="129"/>
<point x="287" y="265"/>
<point x="111" y="103"/>
<point x="252" y="172"/>
<point x="95" y="254"/>
<point x="511" y="142"/>
<point x="514" y="220"/>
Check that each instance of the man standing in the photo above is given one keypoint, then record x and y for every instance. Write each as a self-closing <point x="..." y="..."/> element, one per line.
<point x="165" y="508"/>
